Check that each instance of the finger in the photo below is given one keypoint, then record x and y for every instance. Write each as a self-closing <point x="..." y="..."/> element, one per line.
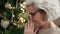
<point x="28" y="24"/>
<point x="36" y="30"/>
<point x="25" y="26"/>
<point x="32" y="25"/>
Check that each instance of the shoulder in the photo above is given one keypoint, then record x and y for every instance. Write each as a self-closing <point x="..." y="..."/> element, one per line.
<point x="56" y="30"/>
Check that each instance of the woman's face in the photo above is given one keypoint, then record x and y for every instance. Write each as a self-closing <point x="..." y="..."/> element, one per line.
<point x="36" y="16"/>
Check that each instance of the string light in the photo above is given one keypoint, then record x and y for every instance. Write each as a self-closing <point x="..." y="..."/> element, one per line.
<point x="13" y="16"/>
<point x="10" y="7"/>
<point x="22" y="5"/>
<point x="21" y="18"/>
<point x="13" y="7"/>
<point x="14" y="24"/>
<point x="23" y="11"/>
<point x="22" y="21"/>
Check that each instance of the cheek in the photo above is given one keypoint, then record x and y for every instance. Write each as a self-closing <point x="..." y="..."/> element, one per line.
<point x="39" y="24"/>
<point x="37" y="17"/>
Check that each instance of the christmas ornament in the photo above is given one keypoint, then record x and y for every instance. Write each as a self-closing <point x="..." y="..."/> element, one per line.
<point x="8" y="5"/>
<point x="4" y="24"/>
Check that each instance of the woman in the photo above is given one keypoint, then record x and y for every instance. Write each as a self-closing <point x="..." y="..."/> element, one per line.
<point x="42" y="12"/>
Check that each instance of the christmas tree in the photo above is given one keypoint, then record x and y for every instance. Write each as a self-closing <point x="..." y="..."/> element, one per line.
<point x="12" y="16"/>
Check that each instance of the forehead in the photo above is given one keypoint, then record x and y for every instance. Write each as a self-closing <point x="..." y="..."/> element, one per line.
<point x="30" y="8"/>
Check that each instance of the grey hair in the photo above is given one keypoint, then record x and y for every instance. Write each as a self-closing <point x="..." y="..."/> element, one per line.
<point x="51" y="7"/>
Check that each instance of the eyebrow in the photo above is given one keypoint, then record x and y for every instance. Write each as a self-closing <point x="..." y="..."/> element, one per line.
<point x="40" y="10"/>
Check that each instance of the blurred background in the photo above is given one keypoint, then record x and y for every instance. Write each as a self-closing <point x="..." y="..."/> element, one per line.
<point x="13" y="16"/>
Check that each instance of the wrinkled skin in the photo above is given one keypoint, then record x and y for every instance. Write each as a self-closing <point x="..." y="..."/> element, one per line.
<point x="35" y="21"/>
